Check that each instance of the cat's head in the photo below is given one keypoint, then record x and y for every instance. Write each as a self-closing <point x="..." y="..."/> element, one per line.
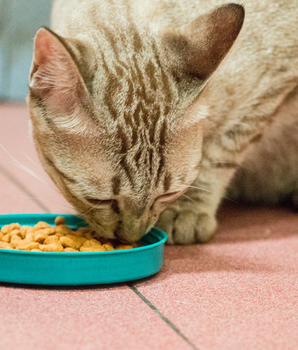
<point x="118" y="118"/>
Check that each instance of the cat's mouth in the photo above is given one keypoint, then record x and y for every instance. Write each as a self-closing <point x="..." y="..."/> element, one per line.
<point x="123" y="240"/>
<point x="130" y="235"/>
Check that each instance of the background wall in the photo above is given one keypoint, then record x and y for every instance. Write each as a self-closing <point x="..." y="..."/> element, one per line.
<point x="19" y="21"/>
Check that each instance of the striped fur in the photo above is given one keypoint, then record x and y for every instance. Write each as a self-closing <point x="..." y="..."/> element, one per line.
<point x="133" y="103"/>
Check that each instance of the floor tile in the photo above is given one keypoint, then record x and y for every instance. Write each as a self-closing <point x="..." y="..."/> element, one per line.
<point x="102" y="318"/>
<point x="13" y="200"/>
<point x="85" y="319"/>
<point x="239" y="291"/>
<point x="19" y="157"/>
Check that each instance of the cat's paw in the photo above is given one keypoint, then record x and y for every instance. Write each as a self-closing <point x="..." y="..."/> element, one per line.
<point x="186" y="226"/>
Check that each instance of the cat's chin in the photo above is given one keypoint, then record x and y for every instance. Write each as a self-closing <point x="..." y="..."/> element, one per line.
<point x="125" y="241"/>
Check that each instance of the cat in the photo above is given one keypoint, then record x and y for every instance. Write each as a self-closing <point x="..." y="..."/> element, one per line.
<point x="149" y="112"/>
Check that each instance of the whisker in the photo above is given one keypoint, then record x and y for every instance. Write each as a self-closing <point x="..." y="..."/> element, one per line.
<point x="29" y="171"/>
<point x="64" y="205"/>
<point x="225" y="162"/>
<point x="23" y="167"/>
<point x="88" y="211"/>
<point x="190" y="199"/>
<point x="230" y="162"/>
<point x="230" y="199"/>
<point x="48" y="183"/>
<point x="203" y="189"/>
<point x="38" y="198"/>
<point x="198" y="188"/>
<point x="32" y="161"/>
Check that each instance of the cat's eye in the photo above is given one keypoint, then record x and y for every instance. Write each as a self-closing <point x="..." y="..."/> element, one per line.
<point x="96" y="201"/>
<point x="168" y="197"/>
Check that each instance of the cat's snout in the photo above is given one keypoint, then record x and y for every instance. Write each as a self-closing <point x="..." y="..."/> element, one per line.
<point x="120" y="238"/>
<point x="130" y="233"/>
<point x="128" y="237"/>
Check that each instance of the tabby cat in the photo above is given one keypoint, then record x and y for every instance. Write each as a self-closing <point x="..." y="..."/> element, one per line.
<point x="147" y="112"/>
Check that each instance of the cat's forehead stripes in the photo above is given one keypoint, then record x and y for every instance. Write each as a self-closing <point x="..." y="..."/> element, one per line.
<point x="132" y="69"/>
<point x="137" y="206"/>
<point x="167" y="182"/>
<point x="138" y="97"/>
<point x="116" y="183"/>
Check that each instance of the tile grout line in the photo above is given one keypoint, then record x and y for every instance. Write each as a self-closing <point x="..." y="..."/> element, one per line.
<point x="23" y="188"/>
<point x="165" y="319"/>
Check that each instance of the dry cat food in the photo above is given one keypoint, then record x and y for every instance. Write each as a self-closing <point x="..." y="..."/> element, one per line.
<point x="59" y="238"/>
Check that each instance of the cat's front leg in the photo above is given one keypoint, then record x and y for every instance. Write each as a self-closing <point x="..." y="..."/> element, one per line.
<point x="191" y="218"/>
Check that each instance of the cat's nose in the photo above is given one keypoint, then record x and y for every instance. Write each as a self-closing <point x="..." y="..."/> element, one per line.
<point x="120" y="238"/>
<point x="131" y="234"/>
<point x="128" y="238"/>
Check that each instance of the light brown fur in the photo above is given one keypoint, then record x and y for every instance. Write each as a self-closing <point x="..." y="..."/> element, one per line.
<point x="130" y="115"/>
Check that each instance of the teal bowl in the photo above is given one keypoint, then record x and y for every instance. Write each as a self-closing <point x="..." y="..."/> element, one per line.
<point x="79" y="268"/>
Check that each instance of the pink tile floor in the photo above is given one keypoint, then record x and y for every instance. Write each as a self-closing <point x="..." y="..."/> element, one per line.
<point x="238" y="292"/>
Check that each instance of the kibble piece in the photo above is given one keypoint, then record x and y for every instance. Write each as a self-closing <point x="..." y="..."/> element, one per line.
<point x="72" y="241"/>
<point x="124" y="246"/>
<point x="27" y="245"/>
<point x="14" y="232"/>
<point x="52" y="247"/>
<point x="65" y="230"/>
<point x="83" y="230"/>
<point x="78" y="233"/>
<point x="108" y="246"/>
<point x="22" y="232"/>
<point x="60" y="220"/>
<point x="36" y="250"/>
<point x="4" y="245"/>
<point x="66" y="241"/>
<point x="43" y="237"/>
<point x="92" y="243"/>
<point x="15" y="241"/>
<point x="40" y="236"/>
<point x="6" y="238"/>
<point x="59" y="235"/>
<point x="41" y="224"/>
<point x="5" y="229"/>
<point x="29" y="236"/>
<point x="50" y="230"/>
<point x="70" y="250"/>
<point x="30" y="230"/>
<point x="51" y="239"/>
<point x="89" y="235"/>
<point x="14" y="226"/>
<point x="92" y="249"/>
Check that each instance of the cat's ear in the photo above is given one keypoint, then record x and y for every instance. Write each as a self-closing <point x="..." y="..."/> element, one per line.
<point x="201" y="45"/>
<point x="54" y="75"/>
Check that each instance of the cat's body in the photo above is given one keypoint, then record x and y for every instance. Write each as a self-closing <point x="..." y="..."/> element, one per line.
<point x="153" y="123"/>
